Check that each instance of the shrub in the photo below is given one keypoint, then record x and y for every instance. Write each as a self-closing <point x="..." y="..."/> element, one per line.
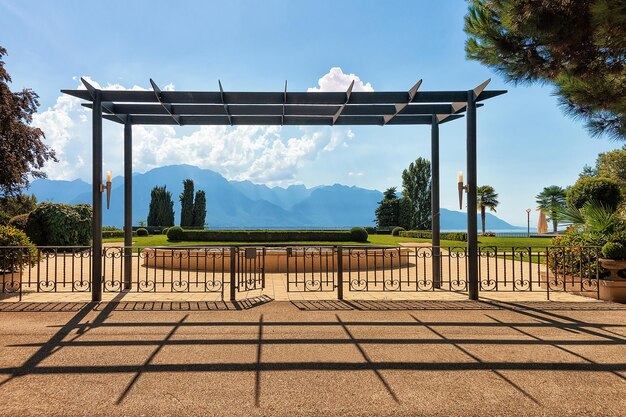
<point x="53" y="224"/>
<point x="142" y="232"/>
<point x="12" y="260"/>
<point x="396" y="231"/>
<point x="370" y="230"/>
<point x="19" y="221"/>
<point x="164" y="231"/>
<point x="489" y="234"/>
<point x="614" y="250"/>
<point x="261" y="235"/>
<point x="358" y="234"/>
<point x="176" y="233"/>
<point x="4" y="218"/>
<point x="110" y="228"/>
<point x="427" y="234"/>
<point x="602" y="190"/>
<point x="575" y="253"/>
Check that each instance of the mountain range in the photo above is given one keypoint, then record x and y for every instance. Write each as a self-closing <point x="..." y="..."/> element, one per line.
<point x="243" y="204"/>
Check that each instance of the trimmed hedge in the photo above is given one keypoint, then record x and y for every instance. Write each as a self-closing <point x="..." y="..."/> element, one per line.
<point x="396" y="231"/>
<point x="142" y="232"/>
<point x="268" y="235"/>
<point x="427" y="234"/>
<point x="370" y="230"/>
<point x="176" y="233"/>
<point x="107" y="234"/>
<point x="359" y="234"/>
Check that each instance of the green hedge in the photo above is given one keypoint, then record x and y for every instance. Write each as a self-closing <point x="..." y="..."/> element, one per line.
<point x="107" y="234"/>
<point x="268" y="235"/>
<point x="427" y="234"/>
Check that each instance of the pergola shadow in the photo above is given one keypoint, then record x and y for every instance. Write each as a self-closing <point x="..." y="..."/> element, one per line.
<point x="71" y="335"/>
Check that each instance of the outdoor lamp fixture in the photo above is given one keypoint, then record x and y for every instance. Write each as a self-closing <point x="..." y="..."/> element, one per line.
<point x="108" y="188"/>
<point x="459" y="177"/>
<point x="528" y="214"/>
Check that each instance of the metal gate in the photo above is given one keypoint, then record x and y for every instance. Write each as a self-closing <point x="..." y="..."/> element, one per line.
<point x="247" y="270"/>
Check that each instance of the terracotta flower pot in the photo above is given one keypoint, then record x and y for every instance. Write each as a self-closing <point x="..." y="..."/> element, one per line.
<point x="613" y="266"/>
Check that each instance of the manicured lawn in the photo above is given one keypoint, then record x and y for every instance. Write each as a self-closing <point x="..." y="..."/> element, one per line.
<point x="161" y="240"/>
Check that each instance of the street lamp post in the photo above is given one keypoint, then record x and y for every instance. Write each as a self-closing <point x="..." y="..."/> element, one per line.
<point x="528" y="215"/>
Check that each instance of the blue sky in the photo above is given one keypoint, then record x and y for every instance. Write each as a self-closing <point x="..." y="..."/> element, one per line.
<point x="525" y="142"/>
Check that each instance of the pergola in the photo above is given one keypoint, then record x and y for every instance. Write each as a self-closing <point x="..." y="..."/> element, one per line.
<point x="380" y="108"/>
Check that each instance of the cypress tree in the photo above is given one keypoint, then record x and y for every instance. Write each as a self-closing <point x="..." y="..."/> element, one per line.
<point x="161" y="211"/>
<point x="199" y="209"/>
<point x="186" y="203"/>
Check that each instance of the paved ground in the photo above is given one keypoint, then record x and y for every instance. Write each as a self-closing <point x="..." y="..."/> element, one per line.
<point x="313" y="358"/>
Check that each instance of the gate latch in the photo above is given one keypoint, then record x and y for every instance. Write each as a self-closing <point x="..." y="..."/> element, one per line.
<point x="250" y="253"/>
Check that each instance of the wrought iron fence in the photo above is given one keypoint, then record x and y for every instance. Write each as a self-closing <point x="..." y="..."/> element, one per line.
<point x="319" y="268"/>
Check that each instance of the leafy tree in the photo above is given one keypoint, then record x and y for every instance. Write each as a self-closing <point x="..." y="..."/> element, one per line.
<point x="13" y="205"/>
<point x="199" y="209"/>
<point x="406" y="214"/>
<point x="487" y="198"/>
<point x="161" y="212"/>
<point x="388" y="209"/>
<point x="613" y="165"/>
<point x="551" y="201"/>
<point x="22" y="152"/>
<point x="577" y="46"/>
<point x="416" y="180"/>
<point x="186" y="203"/>
<point x="602" y="190"/>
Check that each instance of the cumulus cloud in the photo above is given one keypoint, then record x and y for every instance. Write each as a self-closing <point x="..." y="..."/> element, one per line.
<point x="336" y="80"/>
<point x="262" y="154"/>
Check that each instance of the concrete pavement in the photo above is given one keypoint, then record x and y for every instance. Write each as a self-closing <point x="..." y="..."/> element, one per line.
<point x="348" y="358"/>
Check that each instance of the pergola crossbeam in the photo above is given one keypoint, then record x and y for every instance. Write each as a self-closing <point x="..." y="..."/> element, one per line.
<point x="343" y="106"/>
<point x="230" y="120"/>
<point x="401" y="106"/>
<point x="166" y="106"/>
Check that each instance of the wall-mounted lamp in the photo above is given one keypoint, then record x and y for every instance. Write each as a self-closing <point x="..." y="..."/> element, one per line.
<point x="108" y="188"/>
<point x="459" y="177"/>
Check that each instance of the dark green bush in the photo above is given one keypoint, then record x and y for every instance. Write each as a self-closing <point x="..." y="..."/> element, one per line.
<point x="19" y="221"/>
<point x="262" y="235"/>
<point x="614" y="250"/>
<point x="12" y="260"/>
<point x="53" y="224"/>
<point x="427" y="234"/>
<point x="370" y="230"/>
<point x="358" y="234"/>
<point x="575" y="254"/>
<point x="4" y="218"/>
<point x="603" y="190"/>
<point x="396" y="231"/>
<point x="164" y="231"/>
<point x="110" y="228"/>
<point x="176" y="233"/>
<point x="142" y="232"/>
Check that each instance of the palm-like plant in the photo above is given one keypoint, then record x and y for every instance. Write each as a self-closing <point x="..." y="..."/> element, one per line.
<point x="487" y="198"/>
<point x="551" y="201"/>
<point x="592" y="217"/>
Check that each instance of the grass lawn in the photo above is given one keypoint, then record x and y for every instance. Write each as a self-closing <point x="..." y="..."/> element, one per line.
<point x="161" y="240"/>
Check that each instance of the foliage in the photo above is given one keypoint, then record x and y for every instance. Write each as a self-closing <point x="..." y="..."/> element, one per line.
<point x="370" y="230"/>
<point x="142" y="232"/>
<point x="578" y="46"/>
<point x="487" y="198"/>
<point x="22" y="151"/>
<point x="593" y="217"/>
<point x="108" y="234"/>
<point x="416" y="187"/>
<point x="161" y="212"/>
<point x="52" y="224"/>
<point x="358" y="234"/>
<point x="17" y="204"/>
<point x="575" y="253"/>
<point x="406" y="215"/>
<point x="614" y="250"/>
<point x="175" y="233"/>
<point x="267" y="236"/>
<point x="396" y="231"/>
<point x="164" y="231"/>
<point x="602" y="190"/>
<point x="12" y="260"/>
<point x="4" y="218"/>
<point x="186" y="204"/>
<point x="388" y="210"/>
<point x="142" y="223"/>
<point x="19" y="222"/>
<point x="199" y="210"/>
<point x="110" y="228"/>
<point x="428" y="234"/>
<point x="550" y="201"/>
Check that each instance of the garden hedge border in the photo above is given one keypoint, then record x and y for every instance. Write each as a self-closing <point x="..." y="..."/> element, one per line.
<point x="427" y="234"/>
<point x="270" y="236"/>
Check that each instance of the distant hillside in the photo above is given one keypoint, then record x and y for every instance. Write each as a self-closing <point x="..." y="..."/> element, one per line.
<point x="242" y="204"/>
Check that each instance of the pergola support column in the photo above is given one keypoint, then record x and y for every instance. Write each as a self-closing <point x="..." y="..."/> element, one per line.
<point x="472" y="226"/>
<point x="128" y="204"/>
<point x="96" y="249"/>
<point x="435" y="203"/>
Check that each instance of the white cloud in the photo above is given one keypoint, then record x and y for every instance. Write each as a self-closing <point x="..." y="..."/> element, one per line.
<point x="262" y="154"/>
<point x="336" y="80"/>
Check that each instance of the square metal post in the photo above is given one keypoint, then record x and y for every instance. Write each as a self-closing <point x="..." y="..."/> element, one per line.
<point x="339" y="252"/>
<point x="472" y="220"/>
<point x="96" y="248"/>
<point x="233" y="273"/>
<point x="128" y="204"/>
<point x="434" y="200"/>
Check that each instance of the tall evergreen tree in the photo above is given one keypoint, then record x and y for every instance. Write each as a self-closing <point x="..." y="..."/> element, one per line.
<point x="186" y="204"/>
<point x="416" y="180"/>
<point x="22" y="151"/>
<point x="388" y="209"/>
<point x="577" y="46"/>
<point x="161" y="212"/>
<point x="199" y="209"/>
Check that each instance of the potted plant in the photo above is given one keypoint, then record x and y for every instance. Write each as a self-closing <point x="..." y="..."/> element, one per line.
<point x="16" y="252"/>
<point x="613" y="259"/>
